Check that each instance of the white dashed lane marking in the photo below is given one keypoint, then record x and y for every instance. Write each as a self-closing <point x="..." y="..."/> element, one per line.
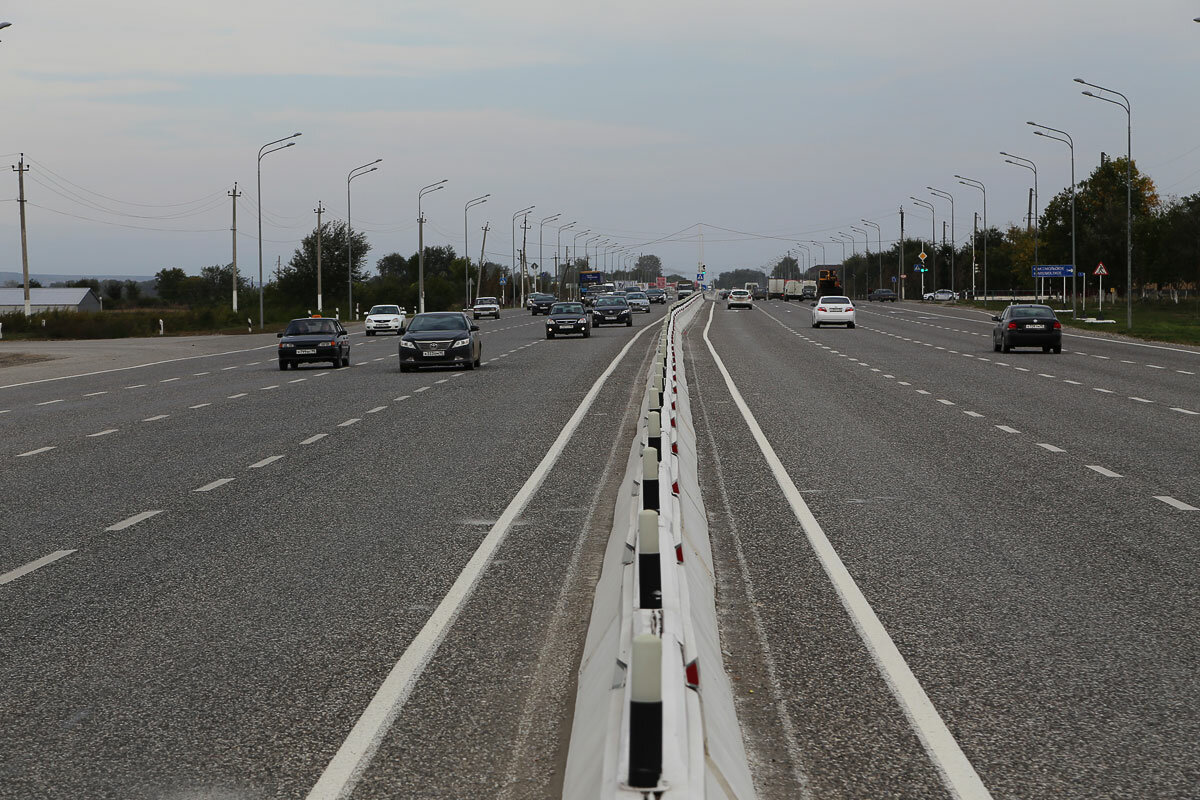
<point x="1140" y="399"/>
<point x="156" y="418"/>
<point x="318" y="437"/>
<point x="1108" y="473"/>
<point x="264" y="462"/>
<point x="1007" y="429"/>
<point x="94" y="394"/>
<point x="1050" y="447"/>
<point x="219" y="482"/>
<point x="134" y="520"/>
<point x="201" y="405"/>
<point x="21" y="572"/>
<point x="1185" y="411"/>
<point x="376" y="409"/>
<point x="422" y="389"/>
<point x="975" y="414"/>
<point x="235" y="396"/>
<point x="36" y="452"/>
<point x="102" y="433"/>
<point x="169" y="380"/>
<point x="48" y="403"/>
<point x="349" y="422"/>
<point x="1171" y="501"/>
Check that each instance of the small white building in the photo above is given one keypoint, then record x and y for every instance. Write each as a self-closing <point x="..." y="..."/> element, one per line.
<point x="43" y="300"/>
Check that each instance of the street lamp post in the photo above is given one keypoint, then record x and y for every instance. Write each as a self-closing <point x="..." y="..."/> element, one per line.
<point x="357" y="172"/>
<point x="586" y="244"/>
<point x="541" y="253"/>
<point x="558" y="252"/>
<point x="466" y="247"/>
<point x="575" y="254"/>
<point x="808" y="257"/>
<point x="879" y="243"/>
<point x="932" y="237"/>
<point x="1069" y="142"/>
<point x="979" y="185"/>
<point x="520" y="213"/>
<point x="953" y="238"/>
<point x="822" y="246"/>
<point x="1128" y="190"/>
<point x="1018" y="161"/>
<point x="866" y="250"/>
<point x="431" y="188"/>
<point x="262" y="151"/>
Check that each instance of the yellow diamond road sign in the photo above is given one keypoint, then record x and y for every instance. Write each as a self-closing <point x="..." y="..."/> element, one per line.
<point x="922" y="255"/>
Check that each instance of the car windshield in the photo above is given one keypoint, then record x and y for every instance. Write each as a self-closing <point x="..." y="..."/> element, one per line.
<point x="739" y="292"/>
<point x="1027" y="312"/>
<point x="836" y="300"/>
<point x="306" y="327"/>
<point x="438" y="322"/>
<point x="384" y="310"/>
<point x="611" y="301"/>
<point x="567" y="308"/>
<point x="654" y="291"/>
<point x="635" y="296"/>
<point x="485" y="301"/>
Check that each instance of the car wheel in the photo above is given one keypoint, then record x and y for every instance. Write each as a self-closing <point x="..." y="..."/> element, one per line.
<point x="995" y="345"/>
<point x="849" y="324"/>
<point x="1046" y="348"/>
<point x="629" y="324"/>
<point x="816" y="324"/>
<point x="1004" y="346"/>
<point x="1057" y="349"/>
<point x="549" y="334"/>
<point x="729" y="308"/>
<point x="346" y="360"/>
<point x="282" y="364"/>
<point x="587" y="333"/>
<point x="369" y="333"/>
<point x="497" y="315"/>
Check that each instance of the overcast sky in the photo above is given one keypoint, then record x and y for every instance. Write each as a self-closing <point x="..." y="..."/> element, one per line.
<point x="637" y="118"/>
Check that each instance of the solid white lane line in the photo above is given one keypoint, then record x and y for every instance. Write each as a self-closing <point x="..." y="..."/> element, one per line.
<point x="343" y="772"/>
<point x="1050" y="447"/>
<point x="1108" y="473"/>
<point x="955" y="770"/>
<point x="349" y="422"/>
<point x="94" y="394"/>
<point x="168" y="380"/>
<point x="200" y="405"/>
<point x="39" y="450"/>
<point x="975" y="414"/>
<point x="49" y="402"/>
<point x="208" y="487"/>
<point x="236" y="396"/>
<point x="134" y="520"/>
<point x="21" y="572"/>
<point x="102" y="433"/>
<point x="1171" y="501"/>
<point x="264" y="462"/>
<point x="376" y="409"/>
<point x="402" y="397"/>
<point x="1007" y="429"/>
<point x="315" y="438"/>
<point x="1184" y="411"/>
<point x="422" y="389"/>
<point x="1140" y="399"/>
<point x="155" y="418"/>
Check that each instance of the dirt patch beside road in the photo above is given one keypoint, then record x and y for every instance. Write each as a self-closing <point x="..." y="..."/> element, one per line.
<point x="18" y="359"/>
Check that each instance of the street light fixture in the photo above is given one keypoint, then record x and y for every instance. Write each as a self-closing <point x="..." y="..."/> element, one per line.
<point x="575" y="255"/>
<point x="953" y="237"/>
<point x="1018" y="161"/>
<point x="357" y="172"/>
<point x="979" y="185"/>
<point x="541" y="254"/>
<point x="558" y="250"/>
<point x="879" y="243"/>
<point x="1069" y="142"/>
<point x="521" y="213"/>
<point x="430" y="189"/>
<point x="1128" y="189"/>
<point x="933" y="237"/>
<point x="263" y="151"/>
<point x="467" y="245"/>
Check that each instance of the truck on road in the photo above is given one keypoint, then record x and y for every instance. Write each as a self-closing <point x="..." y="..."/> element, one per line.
<point x="776" y="288"/>
<point x="828" y="283"/>
<point x="755" y="291"/>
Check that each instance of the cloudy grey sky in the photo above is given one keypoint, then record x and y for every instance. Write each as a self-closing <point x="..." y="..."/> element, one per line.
<point x="638" y="118"/>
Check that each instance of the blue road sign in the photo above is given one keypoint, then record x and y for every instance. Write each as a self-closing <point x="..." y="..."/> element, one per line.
<point x="1053" y="271"/>
<point x="503" y="281"/>
<point x="893" y="279"/>
<point x="919" y="268"/>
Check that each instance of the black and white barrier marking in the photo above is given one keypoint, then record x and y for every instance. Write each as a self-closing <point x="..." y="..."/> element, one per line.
<point x="654" y="712"/>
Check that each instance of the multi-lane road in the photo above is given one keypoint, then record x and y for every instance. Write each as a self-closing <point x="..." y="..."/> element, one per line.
<point x="210" y="569"/>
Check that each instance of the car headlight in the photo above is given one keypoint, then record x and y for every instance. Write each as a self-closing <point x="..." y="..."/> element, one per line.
<point x="461" y="343"/>
<point x="408" y="344"/>
<point x="582" y="321"/>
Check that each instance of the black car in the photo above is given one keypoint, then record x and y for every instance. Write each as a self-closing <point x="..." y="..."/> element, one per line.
<point x="611" y="310"/>
<point x="568" y="318"/>
<point x="1027" y="326"/>
<point x="541" y="303"/>
<point x="657" y="295"/>
<point x="440" y="338"/>
<point x="314" y="339"/>
<point x="882" y="295"/>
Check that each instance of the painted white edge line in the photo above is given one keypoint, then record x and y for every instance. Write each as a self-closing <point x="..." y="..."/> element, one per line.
<point x="21" y="572"/>
<point x="958" y="775"/>
<point x="134" y="520"/>
<point x="343" y="772"/>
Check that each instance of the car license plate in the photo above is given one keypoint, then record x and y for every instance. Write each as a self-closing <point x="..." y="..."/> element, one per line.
<point x="566" y="324"/>
<point x="310" y="351"/>
<point x="434" y="353"/>
<point x="1034" y="327"/>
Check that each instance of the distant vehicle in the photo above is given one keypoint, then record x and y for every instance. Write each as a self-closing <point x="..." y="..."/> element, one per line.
<point x="882" y="295"/>
<point x="833" y="310"/>
<point x="655" y="295"/>
<point x="486" y="307"/>
<point x="440" y="338"/>
<point x="384" y="319"/>
<point x="828" y="283"/>
<point x="611" y="310"/>
<point x="684" y="289"/>
<point x="792" y="291"/>
<point x="722" y="294"/>
<point x="638" y="301"/>
<point x="776" y="288"/>
<point x="808" y="290"/>
<point x="942" y="294"/>
<point x="314" y="339"/>
<point x="739" y="298"/>
<point x="1027" y="326"/>
<point x="540" y="303"/>
<point x="756" y="291"/>
<point x="568" y="318"/>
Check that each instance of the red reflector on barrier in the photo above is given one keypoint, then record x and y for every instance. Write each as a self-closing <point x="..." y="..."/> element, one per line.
<point x="679" y="553"/>
<point x="693" y="674"/>
<point x="675" y="448"/>
<point x="675" y="487"/>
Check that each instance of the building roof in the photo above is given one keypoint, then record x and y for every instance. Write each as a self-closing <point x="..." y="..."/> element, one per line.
<point x="44" y="297"/>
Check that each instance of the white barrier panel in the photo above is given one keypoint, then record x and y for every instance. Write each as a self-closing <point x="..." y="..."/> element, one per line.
<point x="655" y="605"/>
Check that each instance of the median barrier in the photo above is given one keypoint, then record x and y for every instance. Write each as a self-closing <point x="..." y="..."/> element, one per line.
<point x="654" y="708"/>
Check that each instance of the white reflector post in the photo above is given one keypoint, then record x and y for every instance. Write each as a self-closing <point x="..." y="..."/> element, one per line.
<point x="645" y="711"/>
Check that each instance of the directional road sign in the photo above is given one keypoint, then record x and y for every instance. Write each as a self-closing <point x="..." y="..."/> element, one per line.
<point x="1053" y="270"/>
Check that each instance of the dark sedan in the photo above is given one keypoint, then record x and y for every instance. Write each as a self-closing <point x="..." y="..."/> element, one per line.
<point x="882" y="295"/>
<point x="611" y="310"/>
<point x="568" y="318"/>
<point x="1027" y="326"/>
<point x="541" y="303"/>
<point x="442" y="338"/>
<point x="314" y="339"/>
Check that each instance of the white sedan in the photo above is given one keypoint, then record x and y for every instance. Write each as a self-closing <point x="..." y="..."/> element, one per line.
<point x="486" y="307"/>
<point x="833" y="310"/>
<point x="380" y="319"/>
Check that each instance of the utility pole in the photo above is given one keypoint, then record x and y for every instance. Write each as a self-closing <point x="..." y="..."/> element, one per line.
<point x="21" y="169"/>
<point x="235" y="194"/>
<point x="482" y="249"/>
<point x="974" y="236"/>
<point x="524" y="268"/>
<point x="278" y="268"/>
<point x="319" y="210"/>
<point x="900" y="263"/>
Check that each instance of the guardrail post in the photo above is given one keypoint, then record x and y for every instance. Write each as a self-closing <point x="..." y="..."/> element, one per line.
<point x="645" y="712"/>
<point x="654" y="432"/>
<point x="649" y="569"/>
<point x="650" y="479"/>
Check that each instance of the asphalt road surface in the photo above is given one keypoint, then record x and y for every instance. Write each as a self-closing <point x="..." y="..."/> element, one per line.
<point x="210" y="568"/>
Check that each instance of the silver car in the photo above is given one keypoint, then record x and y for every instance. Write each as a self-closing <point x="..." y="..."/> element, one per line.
<point x="638" y="301"/>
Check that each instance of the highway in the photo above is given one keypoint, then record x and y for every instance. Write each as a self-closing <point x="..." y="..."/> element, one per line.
<point x="210" y="569"/>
